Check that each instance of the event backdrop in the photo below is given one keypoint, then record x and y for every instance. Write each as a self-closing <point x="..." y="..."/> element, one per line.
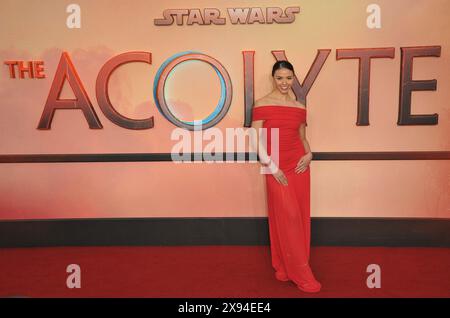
<point x="93" y="32"/>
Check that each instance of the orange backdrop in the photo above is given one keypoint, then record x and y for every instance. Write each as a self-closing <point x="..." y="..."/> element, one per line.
<point x="36" y="30"/>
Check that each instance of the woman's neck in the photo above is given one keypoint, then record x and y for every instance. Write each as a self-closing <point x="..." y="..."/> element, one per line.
<point x="281" y="97"/>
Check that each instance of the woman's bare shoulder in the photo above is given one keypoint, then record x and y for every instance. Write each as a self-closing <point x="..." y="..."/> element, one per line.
<point x="298" y="104"/>
<point x="262" y="101"/>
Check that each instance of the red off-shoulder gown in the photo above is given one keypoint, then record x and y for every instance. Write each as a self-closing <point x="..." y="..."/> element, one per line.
<point x="288" y="206"/>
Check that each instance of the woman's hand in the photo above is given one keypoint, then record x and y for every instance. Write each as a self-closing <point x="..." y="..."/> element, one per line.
<point x="303" y="163"/>
<point x="276" y="172"/>
<point x="280" y="177"/>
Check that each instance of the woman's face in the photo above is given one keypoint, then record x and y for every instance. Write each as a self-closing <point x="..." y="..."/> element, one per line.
<point x="283" y="79"/>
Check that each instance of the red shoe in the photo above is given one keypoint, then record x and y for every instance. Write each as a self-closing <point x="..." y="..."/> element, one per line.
<point x="311" y="287"/>
<point x="307" y="282"/>
<point x="281" y="276"/>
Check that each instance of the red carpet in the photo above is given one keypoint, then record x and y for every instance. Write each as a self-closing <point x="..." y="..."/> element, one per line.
<point x="219" y="271"/>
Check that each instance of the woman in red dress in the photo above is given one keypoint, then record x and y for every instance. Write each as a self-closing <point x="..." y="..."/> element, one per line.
<point x="288" y="183"/>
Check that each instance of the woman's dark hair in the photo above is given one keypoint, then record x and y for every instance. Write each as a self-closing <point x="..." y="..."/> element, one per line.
<point x="282" y="64"/>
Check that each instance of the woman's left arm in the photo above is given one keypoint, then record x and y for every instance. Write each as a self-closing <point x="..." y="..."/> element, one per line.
<point x="304" y="161"/>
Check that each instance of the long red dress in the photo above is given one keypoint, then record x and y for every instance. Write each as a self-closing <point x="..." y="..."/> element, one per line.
<point x="288" y="206"/>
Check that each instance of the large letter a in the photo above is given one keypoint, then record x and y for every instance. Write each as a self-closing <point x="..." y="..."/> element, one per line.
<point x="66" y="70"/>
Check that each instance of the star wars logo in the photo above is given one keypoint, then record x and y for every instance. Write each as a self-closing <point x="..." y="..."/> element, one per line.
<point x="209" y="16"/>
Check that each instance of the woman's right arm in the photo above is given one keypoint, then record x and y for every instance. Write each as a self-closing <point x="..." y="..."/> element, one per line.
<point x="258" y="143"/>
<point x="264" y="158"/>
